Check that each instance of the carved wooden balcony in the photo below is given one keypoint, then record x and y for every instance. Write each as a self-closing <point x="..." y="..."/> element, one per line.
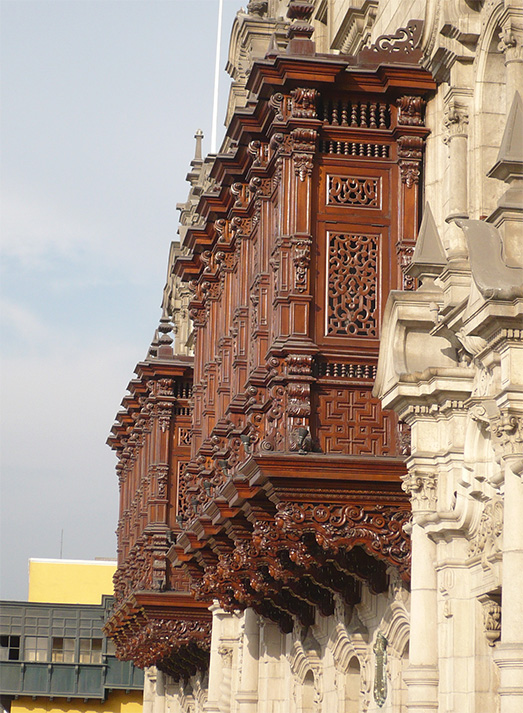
<point x="293" y="488"/>
<point x="155" y="619"/>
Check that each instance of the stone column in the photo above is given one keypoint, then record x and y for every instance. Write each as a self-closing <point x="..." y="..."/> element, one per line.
<point x="456" y="137"/>
<point x="422" y="674"/>
<point x="509" y="651"/>
<point x="215" y="663"/>
<point x="247" y="696"/>
<point x="511" y="43"/>
<point x="149" y="689"/>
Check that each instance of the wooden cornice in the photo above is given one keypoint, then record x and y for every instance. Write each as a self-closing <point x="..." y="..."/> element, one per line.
<point x="170" y="630"/>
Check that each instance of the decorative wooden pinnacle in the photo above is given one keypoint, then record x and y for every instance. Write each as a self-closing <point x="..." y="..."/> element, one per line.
<point x="300" y="30"/>
<point x="165" y="340"/>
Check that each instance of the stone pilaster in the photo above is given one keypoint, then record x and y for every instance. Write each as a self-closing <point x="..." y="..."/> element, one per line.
<point x="456" y="124"/>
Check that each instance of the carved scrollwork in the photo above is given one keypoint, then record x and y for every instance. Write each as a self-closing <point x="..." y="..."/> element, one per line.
<point x="303" y="103"/>
<point x="298" y="400"/>
<point x="410" y="111"/>
<point x="303" y="165"/>
<point x="400" y="44"/>
<point x="507" y="432"/>
<point x="301" y="256"/>
<point x="353" y="276"/>
<point x="354" y="191"/>
<point x="160" y="641"/>
<point x="276" y="104"/>
<point x="410" y="152"/>
<point x="379" y="529"/>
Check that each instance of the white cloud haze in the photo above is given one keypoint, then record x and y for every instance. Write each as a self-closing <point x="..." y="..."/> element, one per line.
<point x="100" y="102"/>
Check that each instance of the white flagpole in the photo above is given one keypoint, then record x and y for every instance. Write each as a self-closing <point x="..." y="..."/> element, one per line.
<point x="216" y="79"/>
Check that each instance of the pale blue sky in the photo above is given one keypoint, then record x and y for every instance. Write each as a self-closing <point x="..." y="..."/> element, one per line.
<point x="100" y="102"/>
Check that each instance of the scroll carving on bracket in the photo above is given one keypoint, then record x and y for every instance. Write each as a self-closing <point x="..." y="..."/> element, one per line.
<point x="159" y="639"/>
<point x="276" y="103"/>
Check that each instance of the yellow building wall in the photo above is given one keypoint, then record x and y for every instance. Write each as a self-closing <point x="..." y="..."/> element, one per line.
<point x="70" y="581"/>
<point x="116" y="702"/>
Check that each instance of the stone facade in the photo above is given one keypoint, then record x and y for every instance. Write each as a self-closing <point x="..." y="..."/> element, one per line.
<point x="451" y="368"/>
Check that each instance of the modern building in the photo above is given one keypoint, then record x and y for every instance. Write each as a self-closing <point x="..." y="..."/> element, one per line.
<point x="320" y="457"/>
<point x="54" y="656"/>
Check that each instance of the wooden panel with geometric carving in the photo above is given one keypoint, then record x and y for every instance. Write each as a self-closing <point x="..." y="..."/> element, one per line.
<point x="351" y="421"/>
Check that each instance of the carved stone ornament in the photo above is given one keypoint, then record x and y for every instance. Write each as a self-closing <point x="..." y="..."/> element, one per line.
<point x="380" y="670"/>
<point x="492" y="621"/>
<point x="300" y="12"/>
<point x="511" y="43"/>
<point x="257" y="7"/>
<point x="455" y="122"/>
<point x="226" y="653"/>
<point x="487" y="540"/>
<point x="507" y="432"/>
<point x="422" y="489"/>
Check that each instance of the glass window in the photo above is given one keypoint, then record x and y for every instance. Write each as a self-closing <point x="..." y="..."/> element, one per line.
<point x="35" y="648"/>
<point x="90" y="651"/>
<point x="63" y="650"/>
<point x="9" y="648"/>
<point x="111" y="648"/>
